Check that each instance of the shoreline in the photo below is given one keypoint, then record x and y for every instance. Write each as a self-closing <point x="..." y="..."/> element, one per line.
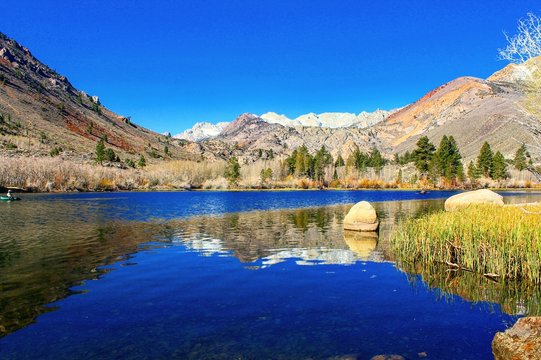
<point x="172" y="190"/>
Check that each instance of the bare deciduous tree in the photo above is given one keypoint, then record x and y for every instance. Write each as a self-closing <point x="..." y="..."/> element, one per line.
<point x="526" y="43"/>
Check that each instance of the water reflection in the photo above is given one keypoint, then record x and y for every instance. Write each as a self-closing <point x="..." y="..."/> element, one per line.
<point x="313" y="235"/>
<point x="56" y="245"/>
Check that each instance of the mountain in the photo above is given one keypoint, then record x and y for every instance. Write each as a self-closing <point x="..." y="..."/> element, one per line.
<point x="503" y="110"/>
<point x="330" y="119"/>
<point x="249" y="133"/>
<point x="204" y="130"/>
<point x="40" y="110"/>
<point x="472" y="110"/>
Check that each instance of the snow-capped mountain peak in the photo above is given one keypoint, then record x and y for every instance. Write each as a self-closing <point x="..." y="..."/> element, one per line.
<point x="205" y="130"/>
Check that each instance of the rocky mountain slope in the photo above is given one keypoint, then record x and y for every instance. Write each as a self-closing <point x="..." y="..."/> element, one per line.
<point x="470" y="109"/>
<point x="205" y="130"/>
<point x="41" y="110"/>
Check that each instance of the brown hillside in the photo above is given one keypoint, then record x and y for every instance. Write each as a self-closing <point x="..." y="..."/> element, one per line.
<point x="41" y="110"/>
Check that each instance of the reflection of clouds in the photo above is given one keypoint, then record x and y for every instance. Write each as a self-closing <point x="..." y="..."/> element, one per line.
<point x="204" y="245"/>
<point x="315" y="256"/>
<point x="308" y="236"/>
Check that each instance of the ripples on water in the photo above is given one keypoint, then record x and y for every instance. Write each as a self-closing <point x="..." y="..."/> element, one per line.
<point x="235" y="284"/>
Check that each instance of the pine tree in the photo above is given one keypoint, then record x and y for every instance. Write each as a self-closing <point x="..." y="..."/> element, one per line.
<point x="232" y="171"/>
<point x="376" y="160"/>
<point x="339" y="161"/>
<point x="100" y="151"/>
<point x="271" y="154"/>
<point x="448" y="159"/>
<point x="499" y="167"/>
<point x="142" y="161"/>
<point x="166" y="150"/>
<point x="521" y="158"/>
<point x="473" y="173"/>
<point x="485" y="159"/>
<point x="266" y="175"/>
<point x="321" y="160"/>
<point x="423" y="155"/>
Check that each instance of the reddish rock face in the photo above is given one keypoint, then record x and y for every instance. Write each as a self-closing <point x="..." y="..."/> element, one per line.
<point x="522" y="341"/>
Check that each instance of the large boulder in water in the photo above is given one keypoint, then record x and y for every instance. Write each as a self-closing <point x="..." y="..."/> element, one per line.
<point x="361" y="217"/>
<point x="522" y="341"/>
<point x="483" y="196"/>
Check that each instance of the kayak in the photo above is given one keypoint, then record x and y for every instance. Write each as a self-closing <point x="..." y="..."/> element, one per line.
<point x="7" y="198"/>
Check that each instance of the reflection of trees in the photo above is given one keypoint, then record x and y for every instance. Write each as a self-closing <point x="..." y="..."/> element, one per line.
<point x="516" y="298"/>
<point x="43" y="260"/>
<point x="57" y="245"/>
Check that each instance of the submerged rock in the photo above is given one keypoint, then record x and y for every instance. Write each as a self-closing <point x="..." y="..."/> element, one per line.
<point x="388" y="357"/>
<point x="483" y="196"/>
<point x="361" y="217"/>
<point x="522" y="341"/>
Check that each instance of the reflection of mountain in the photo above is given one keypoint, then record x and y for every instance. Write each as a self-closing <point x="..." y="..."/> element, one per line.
<point x="310" y="236"/>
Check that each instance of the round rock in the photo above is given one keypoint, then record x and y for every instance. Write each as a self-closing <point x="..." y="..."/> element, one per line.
<point x="463" y="200"/>
<point x="361" y="217"/>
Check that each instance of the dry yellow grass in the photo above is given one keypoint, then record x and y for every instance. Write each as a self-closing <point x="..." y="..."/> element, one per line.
<point x="504" y="243"/>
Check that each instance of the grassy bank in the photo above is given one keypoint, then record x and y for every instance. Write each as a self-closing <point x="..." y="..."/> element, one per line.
<point x="501" y="243"/>
<point x="54" y="174"/>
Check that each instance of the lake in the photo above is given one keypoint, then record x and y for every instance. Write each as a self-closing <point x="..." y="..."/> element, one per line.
<point x="232" y="275"/>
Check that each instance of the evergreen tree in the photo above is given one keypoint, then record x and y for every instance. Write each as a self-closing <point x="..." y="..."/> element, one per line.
<point x="473" y="173"/>
<point x="448" y="159"/>
<point x="396" y="159"/>
<point x="142" y="162"/>
<point x="321" y="160"/>
<point x="460" y="176"/>
<point x="291" y="161"/>
<point x="166" y="150"/>
<point x="130" y="163"/>
<point x="407" y="158"/>
<point x="270" y="154"/>
<point x="339" y="161"/>
<point x="499" y="167"/>
<point x="376" y="160"/>
<point x="232" y="170"/>
<point x="259" y="153"/>
<point x="485" y="159"/>
<point x="521" y="158"/>
<point x="100" y="151"/>
<point x="110" y="154"/>
<point x="423" y="155"/>
<point x="361" y="160"/>
<point x="266" y="175"/>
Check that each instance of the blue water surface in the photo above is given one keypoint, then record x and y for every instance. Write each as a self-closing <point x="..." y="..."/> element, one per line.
<point x="174" y="300"/>
<point x="167" y="205"/>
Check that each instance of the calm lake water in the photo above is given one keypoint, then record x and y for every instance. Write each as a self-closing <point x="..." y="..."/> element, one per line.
<point x="232" y="275"/>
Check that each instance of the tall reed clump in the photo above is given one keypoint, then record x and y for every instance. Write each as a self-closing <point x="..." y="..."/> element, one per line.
<point x="499" y="242"/>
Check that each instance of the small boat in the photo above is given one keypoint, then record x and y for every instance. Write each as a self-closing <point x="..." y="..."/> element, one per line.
<point x="7" y="198"/>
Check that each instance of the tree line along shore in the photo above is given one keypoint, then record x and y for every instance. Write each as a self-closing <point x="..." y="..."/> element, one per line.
<point x="426" y="167"/>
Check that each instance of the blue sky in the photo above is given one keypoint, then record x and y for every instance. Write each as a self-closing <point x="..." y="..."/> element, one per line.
<point x="169" y="64"/>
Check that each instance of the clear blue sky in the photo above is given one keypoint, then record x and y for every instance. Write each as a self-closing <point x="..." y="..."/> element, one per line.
<point x="169" y="64"/>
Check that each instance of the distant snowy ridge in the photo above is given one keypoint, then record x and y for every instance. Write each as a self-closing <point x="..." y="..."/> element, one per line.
<point x="205" y="130"/>
<point x="329" y="119"/>
<point x="202" y="131"/>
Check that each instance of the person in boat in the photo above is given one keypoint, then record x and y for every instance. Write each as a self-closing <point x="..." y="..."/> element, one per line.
<point x="10" y="195"/>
